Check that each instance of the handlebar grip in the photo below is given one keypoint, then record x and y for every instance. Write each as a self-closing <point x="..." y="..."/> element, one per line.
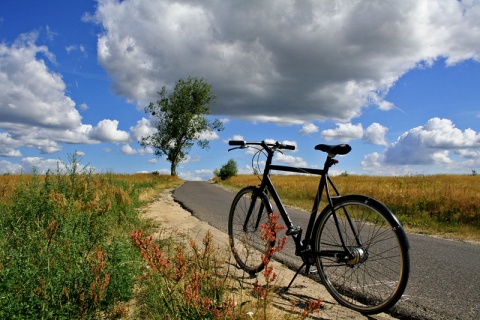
<point x="288" y="147"/>
<point x="236" y="142"/>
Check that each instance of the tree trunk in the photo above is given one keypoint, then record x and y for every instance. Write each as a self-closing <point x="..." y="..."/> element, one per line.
<point x="173" y="169"/>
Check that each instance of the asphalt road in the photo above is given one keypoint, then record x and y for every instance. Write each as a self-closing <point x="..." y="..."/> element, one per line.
<point x="444" y="278"/>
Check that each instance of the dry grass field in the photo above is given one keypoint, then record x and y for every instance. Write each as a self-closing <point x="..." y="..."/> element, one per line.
<point x="445" y="205"/>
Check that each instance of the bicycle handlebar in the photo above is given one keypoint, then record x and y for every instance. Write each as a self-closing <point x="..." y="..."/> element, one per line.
<point x="244" y="144"/>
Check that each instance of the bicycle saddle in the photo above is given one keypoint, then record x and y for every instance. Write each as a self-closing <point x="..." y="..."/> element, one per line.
<point x="334" y="149"/>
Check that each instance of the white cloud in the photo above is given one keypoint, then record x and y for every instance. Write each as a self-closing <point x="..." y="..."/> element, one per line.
<point x="6" y="140"/>
<point x="27" y="165"/>
<point x="31" y="93"/>
<point x="375" y="134"/>
<point x="143" y="128"/>
<point x="431" y="143"/>
<point x="309" y="128"/>
<point x="8" y="152"/>
<point x="8" y="167"/>
<point x="35" y="111"/>
<point x="344" y="132"/>
<point x="290" y="160"/>
<point x="208" y="135"/>
<point x="106" y="130"/>
<point x="374" y="164"/>
<point x="436" y="147"/>
<point x="195" y="158"/>
<point x="237" y="137"/>
<point x="331" y="60"/>
<point x="195" y="175"/>
<point x="128" y="150"/>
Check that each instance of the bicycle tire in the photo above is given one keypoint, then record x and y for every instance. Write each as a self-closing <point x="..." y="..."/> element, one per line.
<point x="376" y="278"/>
<point x="247" y="245"/>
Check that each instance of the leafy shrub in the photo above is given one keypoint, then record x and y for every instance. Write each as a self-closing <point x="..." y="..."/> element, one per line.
<point x="227" y="170"/>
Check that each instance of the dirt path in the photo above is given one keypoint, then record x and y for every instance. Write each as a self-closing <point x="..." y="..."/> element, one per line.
<point x="172" y="219"/>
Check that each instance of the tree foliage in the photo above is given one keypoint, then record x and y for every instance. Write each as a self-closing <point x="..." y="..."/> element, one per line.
<point x="180" y="120"/>
<point x="228" y="170"/>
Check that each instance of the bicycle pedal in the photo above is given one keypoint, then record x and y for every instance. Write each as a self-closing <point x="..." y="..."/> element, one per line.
<point x="313" y="271"/>
<point x="293" y="231"/>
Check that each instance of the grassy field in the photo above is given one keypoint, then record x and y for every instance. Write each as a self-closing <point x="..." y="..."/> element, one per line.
<point x="65" y="250"/>
<point x="446" y="205"/>
<point x="73" y="245"/>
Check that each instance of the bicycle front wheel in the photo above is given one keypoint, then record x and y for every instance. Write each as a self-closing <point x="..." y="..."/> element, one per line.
<point x="244" y="229"/>
<point x="372" y="274"/>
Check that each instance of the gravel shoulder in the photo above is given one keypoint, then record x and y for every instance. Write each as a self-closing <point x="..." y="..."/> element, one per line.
<point x="171" y="218"/>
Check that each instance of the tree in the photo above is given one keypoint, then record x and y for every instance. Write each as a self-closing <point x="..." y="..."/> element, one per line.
<point x="228" y="170"/>
<point x="181" y="120"/>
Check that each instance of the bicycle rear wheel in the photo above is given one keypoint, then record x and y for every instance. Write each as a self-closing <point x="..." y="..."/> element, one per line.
<point x="373" y="275"/>
<point x="245" y="236"/>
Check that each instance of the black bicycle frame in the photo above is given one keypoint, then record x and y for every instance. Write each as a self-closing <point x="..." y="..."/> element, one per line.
<point x="301" y="247"/>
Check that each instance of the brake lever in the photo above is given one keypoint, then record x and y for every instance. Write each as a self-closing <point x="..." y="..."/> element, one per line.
<point x="242" y="147"/>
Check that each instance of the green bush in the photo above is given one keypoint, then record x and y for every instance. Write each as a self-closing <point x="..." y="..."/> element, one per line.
<point x="227" y="170"/>
<point x="63" y="250"/>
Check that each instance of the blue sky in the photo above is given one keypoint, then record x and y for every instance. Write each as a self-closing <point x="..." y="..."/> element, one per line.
<point x="398" y="80"/>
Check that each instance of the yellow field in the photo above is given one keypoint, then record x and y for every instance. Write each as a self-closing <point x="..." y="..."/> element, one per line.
<point x="446" y="205"/>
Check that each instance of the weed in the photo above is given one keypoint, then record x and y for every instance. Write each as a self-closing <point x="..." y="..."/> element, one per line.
<point x="64" y="252"/>
<point x="187" y="282"/>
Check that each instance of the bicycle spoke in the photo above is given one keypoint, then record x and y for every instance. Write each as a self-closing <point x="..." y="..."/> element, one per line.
<point x="372" y="278"/>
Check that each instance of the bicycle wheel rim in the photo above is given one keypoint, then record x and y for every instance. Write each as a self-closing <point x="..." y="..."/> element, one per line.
<point x="247" y="245"/>
<point x="369" y="286"/>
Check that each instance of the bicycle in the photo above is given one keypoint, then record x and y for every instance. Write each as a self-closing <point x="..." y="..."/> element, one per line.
<point x="358" y="246"/>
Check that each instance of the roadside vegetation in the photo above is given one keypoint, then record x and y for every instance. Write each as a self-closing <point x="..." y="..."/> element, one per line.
<point x="446" y="205"/>
<point x="64" y="247"/>
<point x="227" y="170"/>
<point x="73" y="245"/>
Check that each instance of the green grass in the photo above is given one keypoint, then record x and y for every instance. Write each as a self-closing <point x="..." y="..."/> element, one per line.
<point x="64" y="246"/>
<point x="74" y="246"/>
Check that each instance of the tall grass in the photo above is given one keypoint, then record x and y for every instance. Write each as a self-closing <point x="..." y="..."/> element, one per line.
<point x="64" y="246"/>
<point x="195" y="281"/>
<point x="73" y="246"/>
<point x="437" y="204"/>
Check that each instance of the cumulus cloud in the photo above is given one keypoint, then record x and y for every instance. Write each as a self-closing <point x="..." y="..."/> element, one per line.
<point x="208" y="135"/>
<point x="282" y="61"/>
<point x="28" y="164"/>
<point x="431" y="143"/>
<point x="308" y="128"/>
<point x="436" y="146"/>
<point x="194" y="175"/>
<point x="143" y="128"/>
<point x="106" y="130"/>
<point x="128" y="150"/>
<point x="375" y="134"/>
<point x="374" y="164"/>
<point x="31" y="93"/>
<point x="290" y="160"/>
<point x="345" y="132"/>
<point x="9" y="152"/>
<point x="35" y="111"/>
